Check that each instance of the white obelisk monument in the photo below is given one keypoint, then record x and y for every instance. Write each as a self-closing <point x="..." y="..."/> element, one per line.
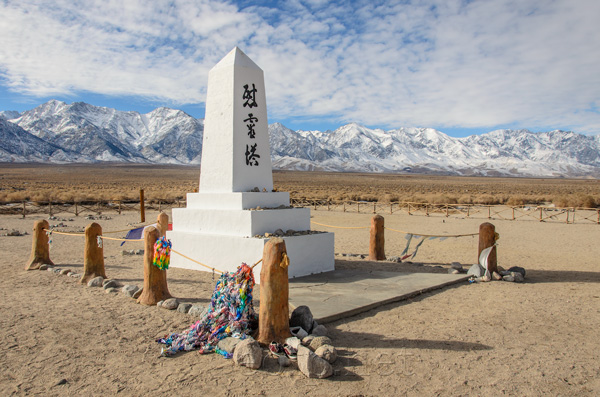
<point x="235" y="202"/>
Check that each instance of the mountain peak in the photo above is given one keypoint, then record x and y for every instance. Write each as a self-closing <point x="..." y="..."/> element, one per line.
<point x="86" y="133"/>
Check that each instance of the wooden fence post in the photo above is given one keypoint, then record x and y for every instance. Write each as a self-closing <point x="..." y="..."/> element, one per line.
<point x="155" y="280"/>
<point x="93" y="254"/>
<point x="142" y="209"/>
<point x="40" y="248"/>
<point x="487" y="238"/>
<point x="377" y="239"/>
<point x="24" y="210"/>
<point x="163" y="224"/>
<point x="273" y="320"/>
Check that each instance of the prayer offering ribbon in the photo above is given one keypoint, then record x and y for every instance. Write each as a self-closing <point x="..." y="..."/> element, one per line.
<point x="162" y="253"/>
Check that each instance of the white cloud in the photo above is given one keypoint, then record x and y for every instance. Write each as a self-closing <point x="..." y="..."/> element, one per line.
<point x="427" y="63"/>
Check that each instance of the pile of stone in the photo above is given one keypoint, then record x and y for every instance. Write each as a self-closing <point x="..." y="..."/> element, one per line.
<point x="132" y="291"/>
<point x="59" y="271"/>
<point x="281" y="207"/>
<point x="315" y="352"/>
<point x="290" y="232"/>
<point x="515" y="274"/>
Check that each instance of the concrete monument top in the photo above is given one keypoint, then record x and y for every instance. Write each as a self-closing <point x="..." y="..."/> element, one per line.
<point x="236" y="154"/>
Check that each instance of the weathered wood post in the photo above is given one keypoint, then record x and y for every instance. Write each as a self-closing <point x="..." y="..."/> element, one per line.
<point x="487" y="238"/>
<point x="93" y="254"/>
<point x="155" y="280"/>
<point x="40" y="248"/>
<point x="142" y="208"/>
<point x="163" y="224"/>
<point x="377" y="239"/>
<point x="274" y="321"/>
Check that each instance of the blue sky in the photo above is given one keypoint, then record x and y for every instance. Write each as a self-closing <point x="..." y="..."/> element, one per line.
<point x="462" y="67"/>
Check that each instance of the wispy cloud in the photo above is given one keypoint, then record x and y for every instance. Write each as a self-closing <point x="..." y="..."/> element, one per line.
<point x="381" y="63"/>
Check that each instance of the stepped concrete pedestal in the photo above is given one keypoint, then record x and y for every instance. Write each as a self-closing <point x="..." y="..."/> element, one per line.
<point x="222" y="235"/>
<point x="225" y="223"/>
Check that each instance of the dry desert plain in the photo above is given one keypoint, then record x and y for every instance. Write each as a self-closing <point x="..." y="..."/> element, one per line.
<point x="499" y="338"/>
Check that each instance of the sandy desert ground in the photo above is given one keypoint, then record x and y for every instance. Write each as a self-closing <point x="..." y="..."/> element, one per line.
<point x="536" y="338"/>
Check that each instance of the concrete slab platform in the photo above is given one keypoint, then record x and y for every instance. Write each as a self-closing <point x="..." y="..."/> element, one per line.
<point x="343" y="293"/>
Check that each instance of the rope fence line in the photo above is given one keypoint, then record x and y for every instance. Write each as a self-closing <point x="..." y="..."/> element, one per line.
<point x="127" y="230"/>
<point x="120" y="239"/>
<point x="125" y="239"/>
<point x="83" y="235"/>
<point x="401" y="231"/>
<point x="64" y="233"/>
<point x="340" y="227"/>
<point x="434" y="235"/>
<point x="195" y="261"/>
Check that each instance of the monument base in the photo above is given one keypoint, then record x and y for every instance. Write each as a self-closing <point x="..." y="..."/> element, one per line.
<point x="308" y="254"/>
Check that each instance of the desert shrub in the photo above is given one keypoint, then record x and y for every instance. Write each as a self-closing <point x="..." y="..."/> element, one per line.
<point x="441" y="199"/>
<point x="561" y="201"/>
<point x="486" y="199"/>
<point x="587" y="201"/>
<point x="368" y="197"/>
<point x="389" y="198"/>
<point x="516" y="201"/>
<point x="15" y="196"/>
<point x="465" y="199"/>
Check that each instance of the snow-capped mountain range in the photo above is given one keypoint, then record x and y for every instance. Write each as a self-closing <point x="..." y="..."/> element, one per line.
<point x="60" y="133"/>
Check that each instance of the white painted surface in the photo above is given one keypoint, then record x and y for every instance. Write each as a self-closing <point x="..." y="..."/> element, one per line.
<point x="237" y="200"/>
<point x="242" y="223"/>
<point x="309" y="254"/>
<point x="224" y="167"/>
